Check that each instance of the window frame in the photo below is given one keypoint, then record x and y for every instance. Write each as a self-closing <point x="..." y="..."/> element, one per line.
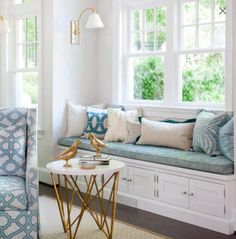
<point x="19" y="12"/>
<point x="173" y="80"/>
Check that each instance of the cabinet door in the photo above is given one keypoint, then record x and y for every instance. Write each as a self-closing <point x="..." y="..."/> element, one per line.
<point x="141" y="182"/>
<point x="173" y="190"/>
<point x="123" y="183"/>
<point x="207" y="197"/>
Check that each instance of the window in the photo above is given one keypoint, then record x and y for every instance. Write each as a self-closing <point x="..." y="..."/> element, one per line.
<point x="174" y="52"/>
<point x="146" y="53"/>
<point x="202" y="55"/>
<point x="26" y="62"/>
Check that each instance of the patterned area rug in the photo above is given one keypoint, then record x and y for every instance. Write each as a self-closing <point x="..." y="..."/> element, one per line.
<point x="51" y="227"/>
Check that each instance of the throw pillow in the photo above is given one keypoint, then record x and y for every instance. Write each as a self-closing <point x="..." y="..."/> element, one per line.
<point x="76" y="119"/>
<point x="117" y="130"/>
<point x="97" y="123"/>
<point x="166" y="134"/>
<point x="226" y="140"/>
<point x="133" y="131"/>
<point x="206" y="132"/>
<point x="13" y="150"/>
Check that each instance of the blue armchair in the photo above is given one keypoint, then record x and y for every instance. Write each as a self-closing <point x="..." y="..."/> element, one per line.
<point x="19" y="211"/>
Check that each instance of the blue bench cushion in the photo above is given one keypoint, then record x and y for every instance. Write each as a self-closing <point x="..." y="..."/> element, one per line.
<point x="162" y="155"/>
<point x="12" y="193"/>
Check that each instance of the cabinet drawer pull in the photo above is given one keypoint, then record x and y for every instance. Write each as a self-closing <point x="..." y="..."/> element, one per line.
<point x="184" y="193"/>
<point x="124" y="179"/>
<point x="129" y="180"/>
<point x="191" y="194"/>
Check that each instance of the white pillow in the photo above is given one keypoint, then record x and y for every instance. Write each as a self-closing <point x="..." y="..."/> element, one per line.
<point x="117" y="130"/>
<point x="177" y="135"/>
<point x="76" y="119"/>
<point x="133" y="131"/>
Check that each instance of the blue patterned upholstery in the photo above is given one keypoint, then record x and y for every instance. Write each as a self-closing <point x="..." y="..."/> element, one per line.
<point x="19" y="218"/>
<point x="162" y="155"/>
<point x="12" y="150"/>
<point x="97" y="124"/>
<point x="12" y="195"/>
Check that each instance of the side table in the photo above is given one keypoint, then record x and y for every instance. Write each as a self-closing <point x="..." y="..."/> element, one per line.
<point x="65" y="180"/>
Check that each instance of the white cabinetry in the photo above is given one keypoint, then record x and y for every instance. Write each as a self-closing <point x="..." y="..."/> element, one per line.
<point x="138" y="182"/>
<point x="207" y="197"/>
<point x="197" y="195"/>
<point x="173" y="190"/>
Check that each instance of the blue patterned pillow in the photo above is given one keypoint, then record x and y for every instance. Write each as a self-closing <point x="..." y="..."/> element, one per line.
<point x="13" y="150"/>
<point x="97" y="124"/>
<point x="226" y="140"/>
<point x="206" y="132"/>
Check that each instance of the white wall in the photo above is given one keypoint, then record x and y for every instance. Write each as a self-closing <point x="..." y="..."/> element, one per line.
<point x="68" y="71"/>
<point x="105" y="52"/>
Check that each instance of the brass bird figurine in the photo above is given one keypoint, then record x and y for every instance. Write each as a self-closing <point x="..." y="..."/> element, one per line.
<point x="97" y="144"/>
<point x="69" y="154"/>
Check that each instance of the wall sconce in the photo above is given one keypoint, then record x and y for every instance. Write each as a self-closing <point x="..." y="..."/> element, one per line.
<point x="4" y="26"/>
<point x="94" y="21"/>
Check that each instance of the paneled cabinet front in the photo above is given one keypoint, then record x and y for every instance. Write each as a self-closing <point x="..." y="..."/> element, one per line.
<point x="197" y="195"/>
<point x="137" y="181"/>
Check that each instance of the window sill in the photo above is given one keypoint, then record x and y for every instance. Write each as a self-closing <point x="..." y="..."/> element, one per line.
<point x="159" y="110"/>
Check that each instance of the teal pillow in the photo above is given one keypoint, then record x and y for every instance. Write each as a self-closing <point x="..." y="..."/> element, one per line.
<point x="226" y="140"/>
<point x="206" y="132"/>
<point x="97" y="124"/>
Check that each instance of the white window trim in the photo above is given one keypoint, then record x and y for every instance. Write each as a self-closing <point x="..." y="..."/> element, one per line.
<point x="172" y="99"/>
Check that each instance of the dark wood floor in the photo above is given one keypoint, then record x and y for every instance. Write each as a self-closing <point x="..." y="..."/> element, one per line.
<point x="155" y="223"/>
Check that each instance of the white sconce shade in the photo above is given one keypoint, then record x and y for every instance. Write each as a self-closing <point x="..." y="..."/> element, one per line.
<point x="4" y="26"/>
<point x="94" y="21"/>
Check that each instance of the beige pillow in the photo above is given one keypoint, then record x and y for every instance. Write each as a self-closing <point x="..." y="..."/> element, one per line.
<point x="166" y="134"/>
<point x="116" y="122"/>
<point x="133" y="131"/>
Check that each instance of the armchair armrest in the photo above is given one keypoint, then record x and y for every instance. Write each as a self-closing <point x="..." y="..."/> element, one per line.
<point x="31" y="162"/>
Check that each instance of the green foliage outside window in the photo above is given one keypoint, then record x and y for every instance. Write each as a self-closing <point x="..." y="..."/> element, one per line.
<point x="149" y="79"/>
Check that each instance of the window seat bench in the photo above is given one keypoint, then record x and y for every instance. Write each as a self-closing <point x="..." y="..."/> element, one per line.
<point x="162" y="155"/>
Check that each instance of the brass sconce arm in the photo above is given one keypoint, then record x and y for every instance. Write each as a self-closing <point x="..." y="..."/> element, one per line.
<point x="80" y="16"/>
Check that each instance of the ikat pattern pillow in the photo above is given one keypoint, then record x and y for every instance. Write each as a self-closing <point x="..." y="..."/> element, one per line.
<point x="206" y="132"/>
<point x="13" y="150"/>
<point x="97" y="124"/>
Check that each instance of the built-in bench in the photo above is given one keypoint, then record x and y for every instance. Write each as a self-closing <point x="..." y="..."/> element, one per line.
<point x="162" y="155"/>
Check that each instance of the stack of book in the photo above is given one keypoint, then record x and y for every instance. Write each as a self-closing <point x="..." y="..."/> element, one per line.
<point x="88" y="160"/>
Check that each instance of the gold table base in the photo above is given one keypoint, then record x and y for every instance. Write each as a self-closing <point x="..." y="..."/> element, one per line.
<point x="94" y="191"/>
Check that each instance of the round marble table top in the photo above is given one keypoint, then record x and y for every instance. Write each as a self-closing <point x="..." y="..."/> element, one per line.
<point x="76" y="169"/>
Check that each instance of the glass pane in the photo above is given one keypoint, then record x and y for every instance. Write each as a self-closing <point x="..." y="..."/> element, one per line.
<point x="27" y="47"/>
<point x="161" y="17"/>
<point x="21" y="56"/>
<point x="149" y="19"/>
<point x="189" y="13"/>
<point x="205" y="36"/>
<point x="219" y="6"/>
<point x="189" y="37"/>
<point x="136" y="41"/>
<point x="31" y="24"/>
<point x="219" y="35"/>
<point x="148" y="44"/>
<point x="161" y="41"/>
<point x="26" y="89"/>
<point x="148" y="78"/>
<point x="137" y="20"/>
<point x="203" y="77"/>
<point x="205" y="7"/>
